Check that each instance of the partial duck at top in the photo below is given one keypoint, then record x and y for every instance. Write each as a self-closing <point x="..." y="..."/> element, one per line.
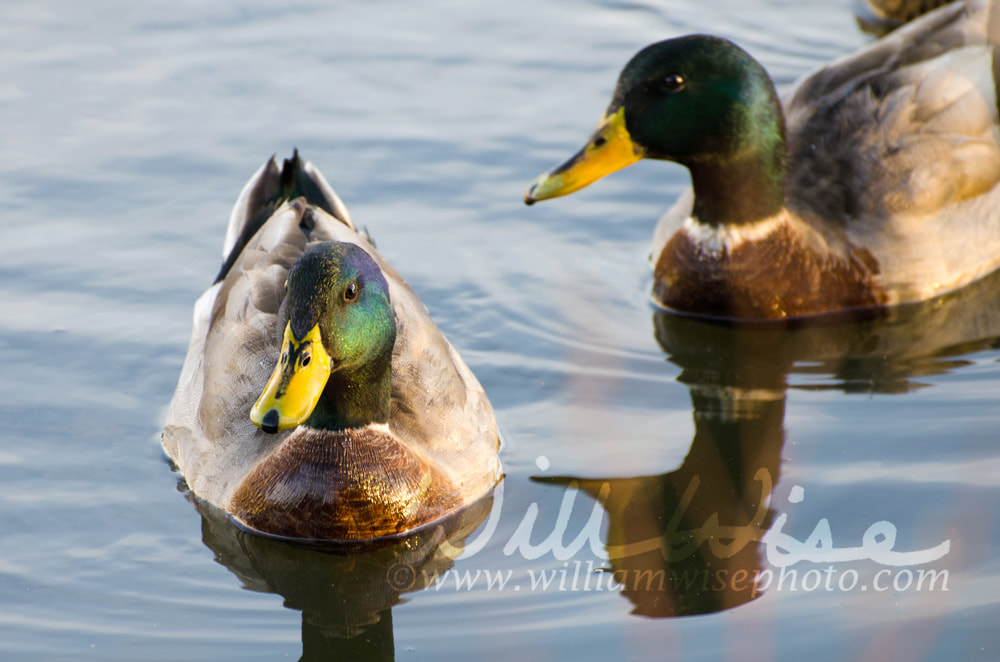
<point x="875" y="184"/>
<point x="881" y="16"/>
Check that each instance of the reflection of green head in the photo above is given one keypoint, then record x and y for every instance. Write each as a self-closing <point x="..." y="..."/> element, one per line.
<point x="334" y="369"/>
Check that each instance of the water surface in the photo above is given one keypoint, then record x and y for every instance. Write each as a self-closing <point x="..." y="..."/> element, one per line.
<point x="666" y="448"/>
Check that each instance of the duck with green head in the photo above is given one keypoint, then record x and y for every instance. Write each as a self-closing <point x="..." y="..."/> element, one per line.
<point x="318" y="400"/>
<point x="342" y="473"/>
<point x="875" y="184"/>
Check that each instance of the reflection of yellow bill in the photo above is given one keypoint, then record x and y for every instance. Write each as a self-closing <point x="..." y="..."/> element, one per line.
<point x="609" y="149"/>
<point x="297" y="382"/>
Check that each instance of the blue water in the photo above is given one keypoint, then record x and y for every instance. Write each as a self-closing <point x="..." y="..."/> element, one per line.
<point x="127" y="132"/>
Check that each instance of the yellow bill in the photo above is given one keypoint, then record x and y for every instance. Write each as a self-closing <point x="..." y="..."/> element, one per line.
<point x="298" y="380"/>
<point x="609" y="149"/>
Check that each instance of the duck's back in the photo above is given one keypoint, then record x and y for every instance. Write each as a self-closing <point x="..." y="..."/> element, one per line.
<point x="896" y="149"/>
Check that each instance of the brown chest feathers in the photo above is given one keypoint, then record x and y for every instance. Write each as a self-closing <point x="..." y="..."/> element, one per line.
<point x="348" y="485"/>
<point x="768" y="277"/>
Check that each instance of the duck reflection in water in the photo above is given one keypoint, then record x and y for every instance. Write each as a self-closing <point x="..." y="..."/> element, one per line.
<point x="687" y="541"/>
<point x="345" y="593"/>
<point x="684" y="542"/>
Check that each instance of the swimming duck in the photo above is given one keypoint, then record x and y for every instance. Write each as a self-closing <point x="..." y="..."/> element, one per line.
<point x="318" y="400"/>
<point x="875" y="185"/>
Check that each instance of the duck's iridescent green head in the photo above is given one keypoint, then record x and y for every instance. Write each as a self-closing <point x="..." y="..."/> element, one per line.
<point x="697" y="100"/>
<point x="338" y="322"/>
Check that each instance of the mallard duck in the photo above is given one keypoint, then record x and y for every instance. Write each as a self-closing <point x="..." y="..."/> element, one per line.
<point x="318" y="400"/>
<point x="875" y="185"/>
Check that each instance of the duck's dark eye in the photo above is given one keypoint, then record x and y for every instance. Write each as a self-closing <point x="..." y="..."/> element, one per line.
<point x="351" y="292"/>
<point x="674" y="82"/>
